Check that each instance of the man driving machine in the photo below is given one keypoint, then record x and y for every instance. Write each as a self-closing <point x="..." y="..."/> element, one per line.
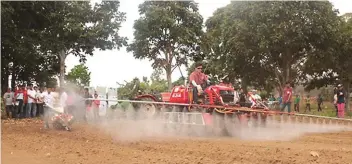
<point x="197" y="80"/>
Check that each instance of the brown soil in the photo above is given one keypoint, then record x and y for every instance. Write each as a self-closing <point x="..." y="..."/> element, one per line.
<point x="25" y="142"/>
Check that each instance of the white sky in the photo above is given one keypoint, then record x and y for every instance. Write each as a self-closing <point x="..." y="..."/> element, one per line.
<point x="109" y="67"/>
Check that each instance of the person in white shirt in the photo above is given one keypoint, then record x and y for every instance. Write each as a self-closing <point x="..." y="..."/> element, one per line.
<point x="8" y="101"/>
<point x="49" y="102"/>
<point x="40" y="102"/>
<point x="31" y="105"/>
<point x="254" y="98"/>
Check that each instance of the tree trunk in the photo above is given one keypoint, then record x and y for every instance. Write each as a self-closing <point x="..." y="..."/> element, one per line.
<point x="168" y="77"/>
<point x="13" y="80"/>
<point x="4" y="82"/>
<point x="62" y="57"/>
<point x="244" y="84"/>
<point x="14" y="76"/>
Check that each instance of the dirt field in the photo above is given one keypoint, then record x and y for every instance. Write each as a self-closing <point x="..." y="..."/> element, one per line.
<point x="25" y="142"/>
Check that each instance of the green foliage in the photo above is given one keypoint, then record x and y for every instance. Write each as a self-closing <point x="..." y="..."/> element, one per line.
<point x="333" y="66"/>
<point x="155" y="85"/>
<point x="79" y="75"/>
<point x="265" y="43"/>
<point x="179" y="81"/>
<point x="167" y="33"/>
<point x="129" y="89"/>
<point x="20" y="39"/>
<point x="37" y="36"/>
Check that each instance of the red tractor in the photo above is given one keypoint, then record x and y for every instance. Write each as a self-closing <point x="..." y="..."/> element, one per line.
<point x="215" y="101"/>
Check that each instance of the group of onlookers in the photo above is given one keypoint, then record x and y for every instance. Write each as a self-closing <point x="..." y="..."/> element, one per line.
<point x="30" y="101"/>
<point x="339" y="100"/>
<point x="25" y="102"/>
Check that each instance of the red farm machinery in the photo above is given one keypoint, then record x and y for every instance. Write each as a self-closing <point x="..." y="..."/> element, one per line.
<point x="218" y="110"/>
<point x="217" y="105"/>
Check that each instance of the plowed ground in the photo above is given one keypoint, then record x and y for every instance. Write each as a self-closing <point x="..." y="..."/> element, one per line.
<point x="25" y="142"/>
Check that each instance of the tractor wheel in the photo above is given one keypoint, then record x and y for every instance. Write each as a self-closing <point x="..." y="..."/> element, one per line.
<point x="147" y="111"/>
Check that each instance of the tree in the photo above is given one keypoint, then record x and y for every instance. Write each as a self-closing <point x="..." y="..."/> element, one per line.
<point x="78" y="28"/>
<point x="333" y="66"/>
<point x="79" y="75"/>
<point x="158" y="84"/>
<point x="267" y="43"/>
<point x="167" y="33"/>
<point x="129" y="89"/>
<point x="21" y="58"/>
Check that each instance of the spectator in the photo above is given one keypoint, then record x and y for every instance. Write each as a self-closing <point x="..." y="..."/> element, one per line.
<point x="287" y="96"/>
<point x="307" y="103"/>
<point x="340" y="102"/>
<point x="279" y="99"/>
<point x="25" y="100"/>
<point x="271" y="101"/>
<point x="31" y="104"/>
<point x="95" y="105"/>
<point x="49" y="102"/>
<point x="40" y="102"/>
<point x="88" y="103"/>
<point x="37" y="95"/>
<point x="8" y="101"/>
<point x="320" y="102"/>
<point x="19" y="102"/>
<point x="296" y="103"/>
<point x="254" y="98"/>
<point x="335" y="101"/>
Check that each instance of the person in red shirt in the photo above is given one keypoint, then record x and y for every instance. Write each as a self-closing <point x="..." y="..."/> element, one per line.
<point x="287" y="97"/>
<point x="95" y="105"/>
<point x="197" y="80"/>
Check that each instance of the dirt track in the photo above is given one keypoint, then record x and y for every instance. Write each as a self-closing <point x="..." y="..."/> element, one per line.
<point x="26" y="143"/>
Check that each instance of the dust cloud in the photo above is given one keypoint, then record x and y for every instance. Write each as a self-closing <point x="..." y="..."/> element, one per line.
<point x="132" y="126"/>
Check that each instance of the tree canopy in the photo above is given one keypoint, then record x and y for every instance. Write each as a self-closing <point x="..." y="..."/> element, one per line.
<point x="167" y="33"/>
<point x="79" y="75"/>
<point x="260" y="44"/>
<point x="265" y="44"/>
<point x="36" y="37"/>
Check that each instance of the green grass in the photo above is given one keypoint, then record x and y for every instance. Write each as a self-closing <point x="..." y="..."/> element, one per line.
<point x="328" y="110"/>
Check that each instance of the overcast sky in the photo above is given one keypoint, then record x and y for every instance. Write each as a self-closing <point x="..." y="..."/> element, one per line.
<point x="109" y="67"/>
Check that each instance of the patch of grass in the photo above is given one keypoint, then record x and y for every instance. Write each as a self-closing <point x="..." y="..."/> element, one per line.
<point x="328" y="109"/>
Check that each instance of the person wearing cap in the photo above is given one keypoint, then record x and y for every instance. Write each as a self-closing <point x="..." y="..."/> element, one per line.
<point x="197" y="79"/>
<point x="340" y="102"/>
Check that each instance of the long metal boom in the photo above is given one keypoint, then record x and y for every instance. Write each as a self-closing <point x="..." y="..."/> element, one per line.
<point x="230" y="108"/>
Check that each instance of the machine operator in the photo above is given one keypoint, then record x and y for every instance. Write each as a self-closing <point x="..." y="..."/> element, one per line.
<point x="197" y="80"/>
